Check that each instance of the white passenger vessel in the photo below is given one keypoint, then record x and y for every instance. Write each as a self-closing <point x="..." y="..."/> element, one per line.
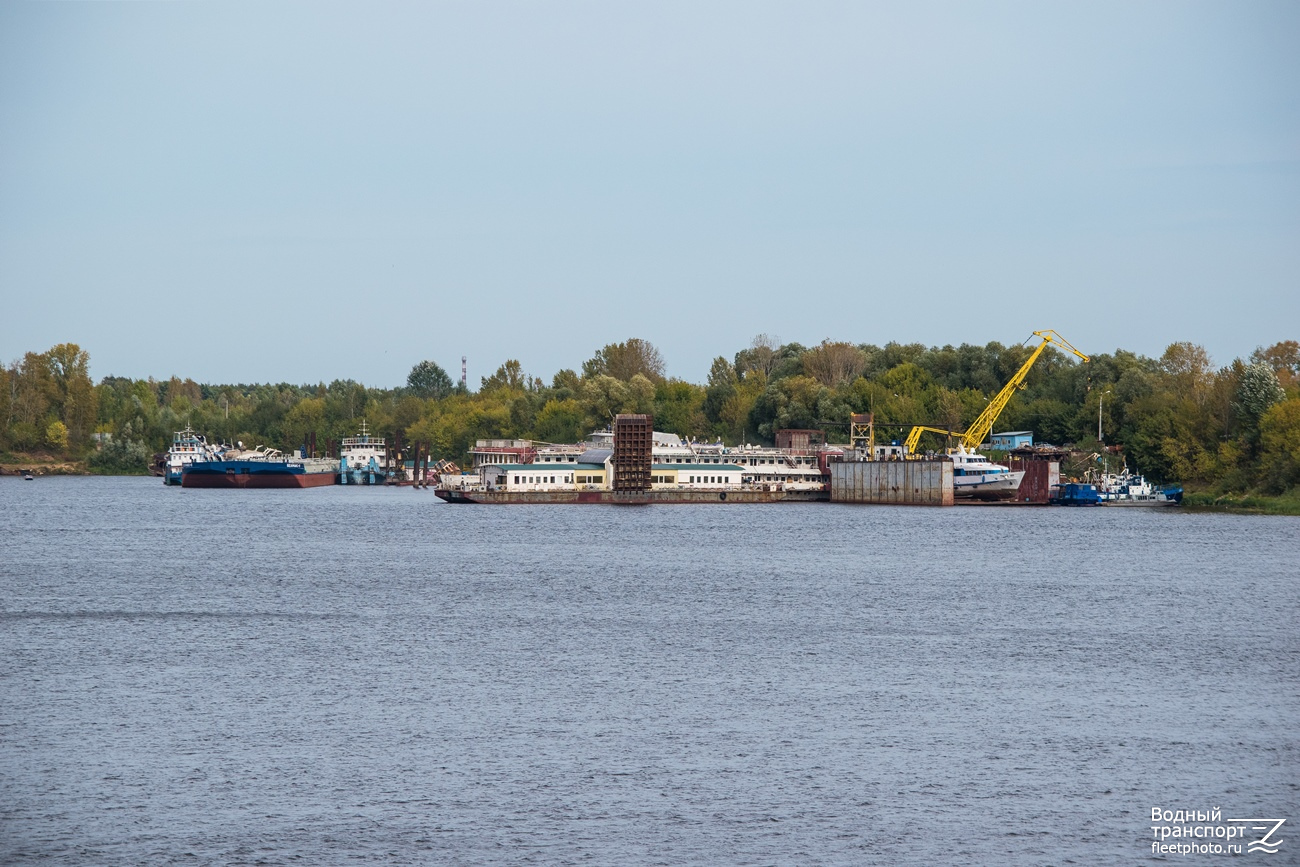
<point x="975" y="477"/>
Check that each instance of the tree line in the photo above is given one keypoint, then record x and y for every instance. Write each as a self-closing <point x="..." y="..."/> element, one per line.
<point x="1176" y="417"/>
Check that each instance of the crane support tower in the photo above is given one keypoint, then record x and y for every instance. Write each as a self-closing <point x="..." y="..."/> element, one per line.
<point x="983" y="425"/>
<point x="862" y="431"/>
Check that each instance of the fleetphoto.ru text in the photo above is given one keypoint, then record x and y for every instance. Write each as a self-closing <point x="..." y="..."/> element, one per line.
<point x="1206" y="832"/>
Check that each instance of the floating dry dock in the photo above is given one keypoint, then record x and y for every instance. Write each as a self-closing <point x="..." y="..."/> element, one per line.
<point x="900" y="483"/>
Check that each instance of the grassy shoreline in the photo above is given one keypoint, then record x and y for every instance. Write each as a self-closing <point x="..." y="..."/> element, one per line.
<point x="14" y="463"/>
<point x="44" y="467"/>
<point x="1243" y="504"/>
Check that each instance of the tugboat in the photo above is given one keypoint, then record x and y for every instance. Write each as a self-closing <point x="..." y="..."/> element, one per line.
<point x="1130" y="489"/>
<point x="363" y="459"/>
<point x="187" y="448"/>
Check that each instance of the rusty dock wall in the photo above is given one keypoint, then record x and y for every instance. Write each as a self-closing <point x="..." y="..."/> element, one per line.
<point x="903" y="483"/>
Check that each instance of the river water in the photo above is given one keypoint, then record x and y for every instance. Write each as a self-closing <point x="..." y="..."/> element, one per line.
<point x="351" y="675"/>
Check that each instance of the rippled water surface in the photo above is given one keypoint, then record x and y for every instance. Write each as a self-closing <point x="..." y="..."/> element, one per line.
<point x="346" y="675"/>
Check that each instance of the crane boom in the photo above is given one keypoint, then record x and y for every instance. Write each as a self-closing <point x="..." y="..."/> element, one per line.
<point x="983" y="425"/>
<point x="914" y="437"/>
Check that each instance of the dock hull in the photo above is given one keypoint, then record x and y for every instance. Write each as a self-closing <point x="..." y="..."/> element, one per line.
<point x="193" y="479"/>
<point x="628" y="498"/>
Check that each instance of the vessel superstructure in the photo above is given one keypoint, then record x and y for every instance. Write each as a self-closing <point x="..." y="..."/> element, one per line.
<point x="1127" y="488"/>
<point x="363" y="459"/>
<point x="681" y="470"/>
<point x="187" y="448"/>
<point x="975" y="477"/>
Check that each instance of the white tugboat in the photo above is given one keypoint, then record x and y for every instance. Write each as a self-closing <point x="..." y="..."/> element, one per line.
<point x="187" y="448"/>
<point x="363" y="459"/>
<point x="1130" y="489"/>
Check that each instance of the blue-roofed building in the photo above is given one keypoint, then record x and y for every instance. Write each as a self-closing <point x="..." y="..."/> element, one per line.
<point x="1008" y="440"/>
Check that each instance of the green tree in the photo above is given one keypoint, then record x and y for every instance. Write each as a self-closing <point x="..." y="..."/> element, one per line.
<point x="1279" y="429"/>
<point x="121" y="456"/>
<point x="559" y="421"/>
<point x="77" y="401"/>
<point x="34" y="390"/>
<point x="602" y="398"/>
<point x="508" y="376"/>
<point x="1284" y="359"/>
<point x="1257" y="392"/>
<point x="56" y="436"/>
<point x="677" y="408"/>
<point x="625" y="360"/>
<point x="790" y="402"/>
<point x="834" y="364"/>
<point x="305" y="418"/>
<point x="721" y="388"/>
<point x="566" y="380"/>
<point x="762" y="357"/>
<point x="6" y="405"/>
<point x="427" y="379"/>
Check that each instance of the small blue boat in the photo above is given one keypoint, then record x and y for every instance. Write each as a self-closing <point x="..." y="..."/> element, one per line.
<point x="1075" y="494"/>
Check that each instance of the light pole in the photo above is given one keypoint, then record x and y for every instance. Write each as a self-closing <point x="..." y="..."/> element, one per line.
<point x="1100" y="400"/>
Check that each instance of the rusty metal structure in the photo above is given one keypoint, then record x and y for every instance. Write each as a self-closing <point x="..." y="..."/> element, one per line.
<point x="862" y="431"/>
<point x="633" y="440"/>
<point x="909" y="483"/>
<point x="803" y="440"/>
<point x="1042" y="468"/>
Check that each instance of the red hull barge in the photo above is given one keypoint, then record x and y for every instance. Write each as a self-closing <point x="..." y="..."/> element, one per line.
<point x="259" y="474"/>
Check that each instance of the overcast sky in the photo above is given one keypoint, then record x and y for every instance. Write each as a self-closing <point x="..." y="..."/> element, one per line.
<point x="304" y="192"/>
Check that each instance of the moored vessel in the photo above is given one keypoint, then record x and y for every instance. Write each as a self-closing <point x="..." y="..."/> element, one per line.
<point x="363" y="459"/>
<point x="676" y="470"/>
<point x="187" y="448"/>
<point x="1075" y="494"/>
<point x="1126" y="488"/>
<point x="975" y="477"/>
<point x="260" y="468"/>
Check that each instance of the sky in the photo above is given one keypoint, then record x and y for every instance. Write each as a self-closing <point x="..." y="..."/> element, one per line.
<point x="303" y="192"/>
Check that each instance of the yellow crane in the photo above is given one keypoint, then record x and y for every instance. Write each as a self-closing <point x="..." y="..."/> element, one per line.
<point x="983" y="425"/>
<point x="914" y="437"/>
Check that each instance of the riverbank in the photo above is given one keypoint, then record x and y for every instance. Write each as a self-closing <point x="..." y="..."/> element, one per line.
<point x="15" y="465"/>
<point x="1247" y="504"/>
